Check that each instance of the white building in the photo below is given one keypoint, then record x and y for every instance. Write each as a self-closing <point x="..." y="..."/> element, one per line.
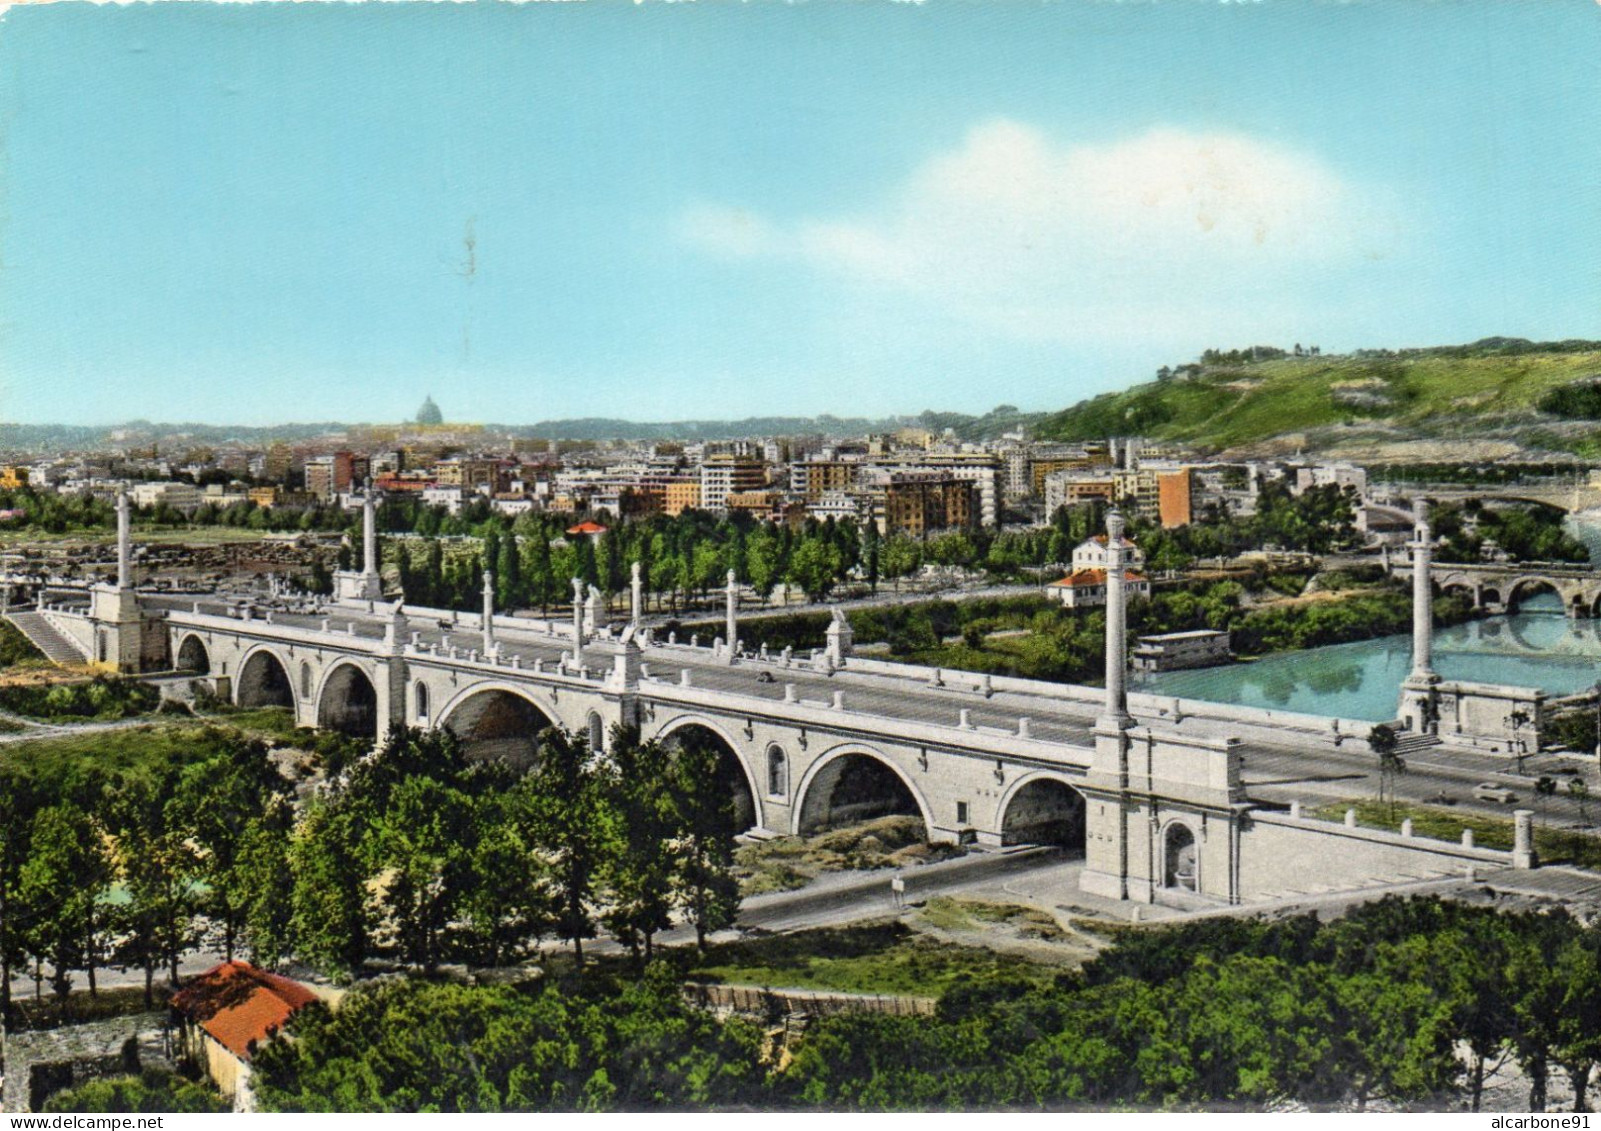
<point x="179" y="496"/>
<point x="1092" y="554"/>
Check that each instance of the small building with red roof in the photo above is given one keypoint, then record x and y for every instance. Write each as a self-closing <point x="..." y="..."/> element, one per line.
<point x="1086" y="588"/>
<point x="587" y="529"/>
<point x="228" y="1012"/>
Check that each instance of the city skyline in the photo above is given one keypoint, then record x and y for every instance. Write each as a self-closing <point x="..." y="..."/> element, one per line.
<point x="260" y="215"/>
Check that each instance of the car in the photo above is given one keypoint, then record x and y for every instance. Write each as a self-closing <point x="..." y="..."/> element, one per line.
<point x="1442" y="798"/>
<point x="1489" y="791"/>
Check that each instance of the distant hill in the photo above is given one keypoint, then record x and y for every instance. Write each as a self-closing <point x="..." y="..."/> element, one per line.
<point x="173" y="437"/>
<point x="1536" y="395"/>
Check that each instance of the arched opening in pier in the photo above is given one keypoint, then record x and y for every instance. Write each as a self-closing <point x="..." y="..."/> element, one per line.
<point x="1045" y="811"/>
<point x="1181" y="863"/>
<point x="349" y="703"/>
<point x="500" y="726"/>
<point x="855" y="787"/>
<point x="1534" y="595"/>
<point x="193" y="657"/>
<point x="263" y="682"/>
<point x="730" y="778"/>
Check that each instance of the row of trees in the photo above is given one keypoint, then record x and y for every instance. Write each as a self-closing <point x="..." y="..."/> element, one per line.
<point x="127" y="864"/>
<point x="1410" y="1002"/>
<point x="413" y="852"/>
<point x="419" y="853"/>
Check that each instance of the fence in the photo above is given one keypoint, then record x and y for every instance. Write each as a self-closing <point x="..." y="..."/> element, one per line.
<point x="759" y="1001"/>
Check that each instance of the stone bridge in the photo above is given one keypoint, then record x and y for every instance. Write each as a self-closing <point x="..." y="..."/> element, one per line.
<point x="1497" y="587"/>
<point x="1156" y="804"/>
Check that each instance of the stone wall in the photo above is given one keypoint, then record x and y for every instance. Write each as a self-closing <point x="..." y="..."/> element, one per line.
<point x="1285" y="855"/>
<point x="39" y="1064"/>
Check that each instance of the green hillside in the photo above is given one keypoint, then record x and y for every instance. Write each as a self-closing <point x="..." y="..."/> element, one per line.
<point x="1546" y="395"/>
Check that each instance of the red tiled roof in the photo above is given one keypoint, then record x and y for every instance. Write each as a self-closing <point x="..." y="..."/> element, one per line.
<point x="587" y="528"/>
<point x="237" y="1004"/>
<point x="1091" y="577"/>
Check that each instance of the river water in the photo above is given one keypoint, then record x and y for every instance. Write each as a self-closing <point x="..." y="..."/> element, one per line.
<point x="1537" y="647"/>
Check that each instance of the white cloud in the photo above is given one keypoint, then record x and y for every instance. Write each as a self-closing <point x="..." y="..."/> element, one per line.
<point x="1045" y="241"/>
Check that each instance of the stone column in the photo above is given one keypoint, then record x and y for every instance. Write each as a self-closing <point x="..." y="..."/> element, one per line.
<point x="1523" y="839"/>
<point x="1422" y="596"/>
<point x="578" y="623"/>
<point x="731" y="614"/>
<point x="636" y="593"/>
<point x="369" y="533"/>
<point x="1116" y="621"/>
<point x="124" y="543"/>
<point x="489" y="612"/>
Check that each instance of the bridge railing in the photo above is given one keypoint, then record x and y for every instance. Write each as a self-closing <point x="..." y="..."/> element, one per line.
<point x="838" y="715"/>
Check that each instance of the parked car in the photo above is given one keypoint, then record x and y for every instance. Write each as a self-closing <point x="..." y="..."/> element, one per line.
<point x="1489" y="791"/>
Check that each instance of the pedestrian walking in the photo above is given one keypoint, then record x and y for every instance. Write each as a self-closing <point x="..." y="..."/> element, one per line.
<point x="897" y="889"/>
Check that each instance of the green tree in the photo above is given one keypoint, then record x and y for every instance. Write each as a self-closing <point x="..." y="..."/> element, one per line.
<point x="574" y="825"/>
<point x="66" y="873"/>
<point x="705" y="886"/>
<point x="1384" y="742"/>
<point x="814" y="567"/>
<point x="641" y="869"/>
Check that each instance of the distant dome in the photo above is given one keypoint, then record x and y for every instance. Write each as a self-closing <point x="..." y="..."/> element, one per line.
<point x="429" y="412"/>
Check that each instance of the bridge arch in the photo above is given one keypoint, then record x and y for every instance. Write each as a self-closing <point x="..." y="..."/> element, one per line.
<point x="1522" y="588"/>
<point x="347" y="700"/>
<point x="855" y="783"/>
<point x="193" y="656"/>
<point x="1042" y="808"/>
<point x="264" y="680"/>
<point x="734" y="773"/>
<point x="497" y="722"/>
<point x="1181" y="856"/>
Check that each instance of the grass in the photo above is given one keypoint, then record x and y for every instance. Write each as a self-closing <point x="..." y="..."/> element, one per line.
<point x="872" y="958"/>
<point x="786" y="863"/>
<point x="127" y="751"/>
<point x="1248" y="403"/>
<point x="951" y="913"/>
<point x="265" y="722"/>
<point x="1567" y="846"/>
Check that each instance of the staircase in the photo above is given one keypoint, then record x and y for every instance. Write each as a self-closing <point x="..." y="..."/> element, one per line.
<point x="1407" y="744"/>
<point x="55" y="646"/>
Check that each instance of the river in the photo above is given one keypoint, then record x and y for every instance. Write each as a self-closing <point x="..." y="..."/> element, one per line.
<point x="1537" y="647"/>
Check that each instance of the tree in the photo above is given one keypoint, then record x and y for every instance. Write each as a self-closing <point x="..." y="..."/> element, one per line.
<point x="573" y="827"/>
<point x="705" y="886"/>
<point x="330" y="916"/>
<point x="66" y="873"/>
<point x="640" y="870"/>
<point x="1545" y="788"/>
<point x="19" y="800"/>
<point x="1384" y="742"/>
<point x="158" y="865"/>
<point x="814" y="567"/>
<point x="221" y="803"/>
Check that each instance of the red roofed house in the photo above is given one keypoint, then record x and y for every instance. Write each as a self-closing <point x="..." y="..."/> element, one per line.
<point x="592" y="529"/>
<point x="226" y="1013"/>
<point x="1086" y="588"/>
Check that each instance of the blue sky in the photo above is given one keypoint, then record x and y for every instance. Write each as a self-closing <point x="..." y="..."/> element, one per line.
<point x="272" y="212"/>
